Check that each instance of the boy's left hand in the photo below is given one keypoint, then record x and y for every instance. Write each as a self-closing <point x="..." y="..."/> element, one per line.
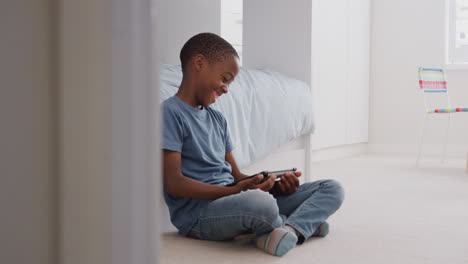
<point x="289" y="182"/>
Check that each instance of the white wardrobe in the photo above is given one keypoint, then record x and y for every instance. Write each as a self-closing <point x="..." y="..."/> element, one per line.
<point x="340" y="71"/>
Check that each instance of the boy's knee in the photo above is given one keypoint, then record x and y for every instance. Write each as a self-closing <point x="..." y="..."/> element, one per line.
<point x="260" y="204"/>
<point x="336" y="190"/>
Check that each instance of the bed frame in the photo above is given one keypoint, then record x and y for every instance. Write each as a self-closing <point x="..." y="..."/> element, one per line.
<point x="297" y="153"/>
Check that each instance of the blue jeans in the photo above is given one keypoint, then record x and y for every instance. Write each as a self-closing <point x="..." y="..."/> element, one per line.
<point x="256" y="211"/>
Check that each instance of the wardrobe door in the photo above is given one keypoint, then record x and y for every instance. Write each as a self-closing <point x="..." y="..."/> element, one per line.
<point x="329" y="70"/>
<point x="358" y="71"/>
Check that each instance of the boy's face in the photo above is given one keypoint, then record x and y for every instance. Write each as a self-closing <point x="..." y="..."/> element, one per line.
<point x="214" y="79"/>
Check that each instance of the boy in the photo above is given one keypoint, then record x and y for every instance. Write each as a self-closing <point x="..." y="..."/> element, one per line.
<point x="198" y="164"/>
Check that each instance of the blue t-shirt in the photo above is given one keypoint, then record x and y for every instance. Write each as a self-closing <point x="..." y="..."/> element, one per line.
<point x="202" y="138"/>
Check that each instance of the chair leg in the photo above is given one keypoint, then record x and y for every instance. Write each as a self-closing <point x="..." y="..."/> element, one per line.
<point x="421" y="134"/>
<point x="446" y="137"/>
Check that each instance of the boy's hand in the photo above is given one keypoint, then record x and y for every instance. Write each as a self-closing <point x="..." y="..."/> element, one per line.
<point x="254" y="183"/>
<point x="268" y="184"/>
<point x="289" y="182"/>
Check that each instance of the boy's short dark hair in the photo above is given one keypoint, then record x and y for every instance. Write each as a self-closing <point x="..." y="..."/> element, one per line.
<point x="210" y="45"/>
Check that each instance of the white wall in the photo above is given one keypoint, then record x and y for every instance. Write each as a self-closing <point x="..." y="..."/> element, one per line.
<point x="27" y="188"/>
<point x="181" y="19"/>
<point x="277" y="36"/>
<point x="405" y="35"/>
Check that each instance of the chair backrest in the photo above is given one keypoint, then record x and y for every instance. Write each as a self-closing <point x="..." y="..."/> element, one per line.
<point x="432" y="80"/>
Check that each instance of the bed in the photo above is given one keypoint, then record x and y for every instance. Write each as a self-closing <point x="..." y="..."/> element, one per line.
<point x="269" y="116"/>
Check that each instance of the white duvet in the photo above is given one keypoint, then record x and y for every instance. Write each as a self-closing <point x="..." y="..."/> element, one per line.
<point x="264" y="110"/>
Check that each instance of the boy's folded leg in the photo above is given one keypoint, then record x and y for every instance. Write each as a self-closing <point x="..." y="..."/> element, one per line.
<point x="278" y="242"/>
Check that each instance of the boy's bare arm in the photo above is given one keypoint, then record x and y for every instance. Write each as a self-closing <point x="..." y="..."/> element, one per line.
<point x="235" y="170"/>
<point x="178" y="185"/>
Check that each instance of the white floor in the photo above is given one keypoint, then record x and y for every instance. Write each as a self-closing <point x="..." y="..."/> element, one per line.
<point x="393" y="213"/>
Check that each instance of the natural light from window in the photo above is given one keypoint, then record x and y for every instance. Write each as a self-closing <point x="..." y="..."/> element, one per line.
<point x="457" y="37"/>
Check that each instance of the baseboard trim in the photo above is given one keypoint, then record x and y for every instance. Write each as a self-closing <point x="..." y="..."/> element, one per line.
<point x="453" y="151"/>
<point x="339" y="152"/>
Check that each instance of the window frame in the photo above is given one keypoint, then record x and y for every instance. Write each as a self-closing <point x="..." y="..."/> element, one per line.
<point x="450" y="21"/>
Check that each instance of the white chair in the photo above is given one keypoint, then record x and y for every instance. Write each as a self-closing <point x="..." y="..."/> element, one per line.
<point x="433" y="81"/>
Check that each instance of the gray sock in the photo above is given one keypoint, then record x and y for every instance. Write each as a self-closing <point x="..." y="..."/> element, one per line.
<point x="322" y="230"/>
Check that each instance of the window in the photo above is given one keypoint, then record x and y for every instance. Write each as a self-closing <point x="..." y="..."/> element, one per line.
<point x="457" y="37"/>
<point x="231" y="24"/>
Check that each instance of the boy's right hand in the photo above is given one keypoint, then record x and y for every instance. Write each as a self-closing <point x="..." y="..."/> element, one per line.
<point x="254" y="183"/>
